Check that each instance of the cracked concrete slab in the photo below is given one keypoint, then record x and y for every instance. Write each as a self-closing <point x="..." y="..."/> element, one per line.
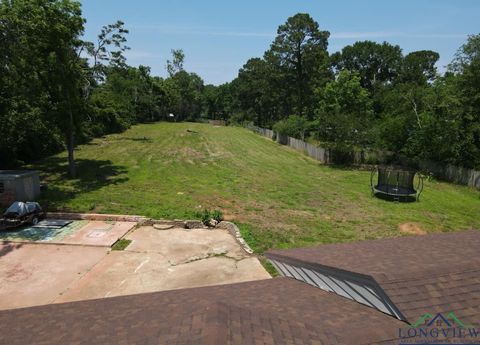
<point x="125" y="273"/>
<point x="36" y="274"/>
<point x="165" y="260"/>
<point x="182" y="245"/>
<point x="119" y="273"/>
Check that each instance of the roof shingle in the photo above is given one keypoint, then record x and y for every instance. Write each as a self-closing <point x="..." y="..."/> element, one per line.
<point x="275" y="311"/>
<point x="434" y="273"/>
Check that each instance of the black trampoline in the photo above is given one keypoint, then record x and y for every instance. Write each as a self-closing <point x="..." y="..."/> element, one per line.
<point x="396" y="183"/>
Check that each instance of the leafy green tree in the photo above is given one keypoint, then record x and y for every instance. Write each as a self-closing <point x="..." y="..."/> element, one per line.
<point x="46" y="79"/>
<point x="176" y="64"/>
<point x="403" y="109"/>
<point x="300" y="53"/>
<point x="466" y="69"/>
<point x="185" y="89"/>
<point x="258" y="97"/>
<point x="375" y="63"/>
<point x="439" y="137"/>
<point x="112" y="35"/>
<point x="419" y="67"/>
<point x="188" y="89"/>
<point x="294" y="126"/>
<point x="25" y="106"/>
<point x="218" y="102"/>
<point x="48" y="33"/>
<point x="344" y="113"/>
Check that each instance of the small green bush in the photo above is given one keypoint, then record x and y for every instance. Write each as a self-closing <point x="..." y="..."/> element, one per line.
<point x="206" y="215"/>
<point x="293" y="126"/>
<point x="217" y="215"/>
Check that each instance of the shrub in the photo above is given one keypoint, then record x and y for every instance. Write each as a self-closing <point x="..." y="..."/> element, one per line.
<point x="217" y="215"/>
<point x="206" y="215"/>
<point x="293" y="126"/>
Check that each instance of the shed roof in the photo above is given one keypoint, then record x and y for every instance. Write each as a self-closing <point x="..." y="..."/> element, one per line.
<point x="434" y="273"/>
<point x="274" y="311"/>
<point x="12" y="174"/>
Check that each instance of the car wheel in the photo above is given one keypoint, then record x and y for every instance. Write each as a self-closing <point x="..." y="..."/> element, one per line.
<point x="35" y="220"/>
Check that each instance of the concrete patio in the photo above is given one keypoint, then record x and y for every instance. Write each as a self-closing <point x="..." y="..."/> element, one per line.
<point x="41" y="273"/>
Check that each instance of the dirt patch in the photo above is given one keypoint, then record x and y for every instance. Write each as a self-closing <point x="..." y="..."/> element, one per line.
<point x="230" y="209"/>
<point x="228" y="216"/>
<point x="300" y="213"/>
<point x="186" y="154"/>
<point x="411" y="228"/>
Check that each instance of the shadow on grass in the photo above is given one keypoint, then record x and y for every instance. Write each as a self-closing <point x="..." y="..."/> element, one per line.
<point x="91" y="175"/>
<point x="111" y="139"/>
<point x="350" y="167"/>
<point x="399" y="199"/>
<point x="140" y="139"/>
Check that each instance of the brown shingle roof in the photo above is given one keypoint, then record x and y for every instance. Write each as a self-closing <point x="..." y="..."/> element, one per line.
<point x="274" y="311"/>
<point x="434" y="273"/>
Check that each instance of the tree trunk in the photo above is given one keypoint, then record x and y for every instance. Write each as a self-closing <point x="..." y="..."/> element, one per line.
<point x="72" y="168"/>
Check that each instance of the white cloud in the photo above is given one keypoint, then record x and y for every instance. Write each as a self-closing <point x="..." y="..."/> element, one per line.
<point x="179" y="30"/>
<point x="390" y="34"/>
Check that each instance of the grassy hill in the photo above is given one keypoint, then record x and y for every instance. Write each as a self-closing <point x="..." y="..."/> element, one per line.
<point x="280" y="197"/>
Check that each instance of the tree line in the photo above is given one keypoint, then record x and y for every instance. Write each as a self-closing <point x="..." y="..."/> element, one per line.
<point x="58" y="90"/>
<point x="367" y="95"/>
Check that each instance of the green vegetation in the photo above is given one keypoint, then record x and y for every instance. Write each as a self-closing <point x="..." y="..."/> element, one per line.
<point x="269" y="267"/>
<point x="121" y="244"/>
<point x="280" y="197"/>
<point x="207" y="215"/>
<point x="57" y="90"/>
<point x="367" y="95"/>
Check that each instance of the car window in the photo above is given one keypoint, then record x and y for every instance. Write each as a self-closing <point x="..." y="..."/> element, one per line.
<point x="17" y="207"/>
<point x="31" y="207"/>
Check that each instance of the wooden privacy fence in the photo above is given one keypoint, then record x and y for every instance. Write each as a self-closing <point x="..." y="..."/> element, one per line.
<point x="217" y="122"/>
<point x="316" y="152"/>
<point x="447" y="172"/>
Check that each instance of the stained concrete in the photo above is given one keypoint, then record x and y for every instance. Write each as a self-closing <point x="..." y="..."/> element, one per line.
<point x="165" y="260"/>
<point x="99" y="233"/>
<point x="181" y="245"/>
<point x="36" y="274"/>
<point x="82" y="232"/>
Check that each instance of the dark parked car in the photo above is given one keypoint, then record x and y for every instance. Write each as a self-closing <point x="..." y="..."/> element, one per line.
<point x="20" y="213"/>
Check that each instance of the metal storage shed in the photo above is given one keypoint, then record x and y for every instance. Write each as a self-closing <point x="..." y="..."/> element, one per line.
<point x="16" y="185"/>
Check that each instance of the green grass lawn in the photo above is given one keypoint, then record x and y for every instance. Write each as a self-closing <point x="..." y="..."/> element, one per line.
<point x="278" y="196"/>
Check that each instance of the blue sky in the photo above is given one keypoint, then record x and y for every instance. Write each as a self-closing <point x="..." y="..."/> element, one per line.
<point x="219" y="36"/>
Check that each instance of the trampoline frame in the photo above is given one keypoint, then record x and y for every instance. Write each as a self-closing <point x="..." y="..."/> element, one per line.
<point x="398" y="189"/>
